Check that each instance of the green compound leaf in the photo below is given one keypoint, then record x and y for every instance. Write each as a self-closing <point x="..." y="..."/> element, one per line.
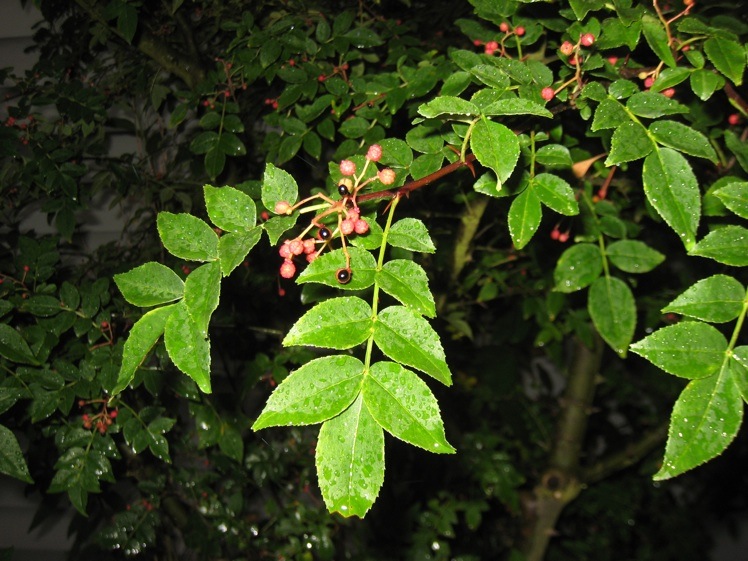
<point x="407" y="282"/>
<point x="496" y="147"/>
<point x="324" y="269"/>
<point x="406" y="337"/>
<point x="716" y="299"/>
<point x="233" y="248"/>
<point x="630" y="142"/>
<point x="727" y="56"/>
<point x="673" y="191"/>
<point x="230" y="209"/>
<point x="688" y="349"/>
<point x="143" y="336"/>
<point x="338" y="323"/>
<point x="577" y="267"/>
<point x="12" y="461"/>
<point x="728" y="245"/>
<point x="278" y="225"/>
<point x="705" y="419"/>
<point x="656" y="36"/>
<point x="682" y="138"/>
<point x="555" y="193"/>
<point x="316" y="392"/>
<point x="187" y="237"/>
<point x="448" y="105"/>
<point x="735" y="197"/>
<point x="739" y="369"/>
<point x="652" y="105"/>
<point x="187" y="346"/>
<point x="151" y="284"/>
<point x="613" y="311"/>
<point x="411" y="234"/>
<point x="278" y="185"/>
<point x="201" y="294"/>
<point x="632" y="256"/>
<point x="404" y="406"/>
<point x="524" y="217"/>
<point x="14" y="347"/>
<point x="517" y="106"/>
<point x="350" y="460"/>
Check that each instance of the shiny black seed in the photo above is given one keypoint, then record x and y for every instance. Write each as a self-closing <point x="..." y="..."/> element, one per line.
<point x="343" y="190"/>
<point x="343" y="276"/>
<point x="324" y="233"/>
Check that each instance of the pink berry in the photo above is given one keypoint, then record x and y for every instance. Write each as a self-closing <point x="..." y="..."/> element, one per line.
<point x="670" y="92"/>
<point x="347" y="167"/>
<point x="309" y="246"/>
<point x="477" y="42"/>
<point x="548" y="93"/>
<point x="347" y="227"/>
<point x="361" y="226"/>
<point x="353" y="213"/>
<point x="566" y="48"/>
<point x="386" y="176"/>
<point x="733" y="119"/>
<point x="311" y="257"/>
<point x="285" y="250"/>
<point x="612" y="60"/>
<point x="563" y="237"/>
<point x="491" y="47"/>
<point x="648" y="82"/>
<point x="288" y="269"/>
<point x="587" y="39"/>
<point x="296" y="247"/>
<point x="374" y="153"/>
<point x="504" y="27"/>
<point x="519" y="30"/>
<point x="282" y="207"/>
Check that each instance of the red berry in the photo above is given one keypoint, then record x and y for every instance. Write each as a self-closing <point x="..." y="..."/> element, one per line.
<point x="477" y="42"/>
<point x="113" y="414"/>
<point x="548" y="93"/>
<point x="648" y="82"/>
<point x="105" y="324"/>
<point x="285" y="250"/>
<point x="361" y="226"/>
<point x="296" y="247"/>
<point x="321" y="78"/>
<point x="309" y="246"/>
<point x="347" y="167"/>
<point x="265" y="215"/>
<point x="563" y="237"/>
<point x="347" y="226"/>
<point x="491" y="47"/>
<point x="670" y="92"/>
<point x="288" y="269"/>
<point x="26" y="268"/>
<point x="733" y="119"/>
<point x="519" y="30"/>
<point x="311" y="257"/>
<point x="282" y="207"/>
<point x="555" y="234"/>
<point x="504" y="27"/>
<point x="566" y="48"/>
<point x="612" y="60"/>
<point x="386" y="176"/>
<point x="374" y="153"/>
<point x="587" y="39"/>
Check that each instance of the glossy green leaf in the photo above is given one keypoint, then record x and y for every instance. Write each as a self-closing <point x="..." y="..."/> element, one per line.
<point x="524" y="217"/>
<point x="42" y="305"/>
<point x="233" y="248"/>
<point x="324" y="269"/>
<point x="396" y="153"/>
<point x="231" y="145"/>
<point x="316" y="392"/>
<point x="210" y="120"/>
<point x="652" y="105"/>
<point x="150" y="284"/>
<point x="404" y="336"/>
<point x="187" y="237"/>
<point x="728" y="245"/>
<point x="554" y="156"/>
<point x="716" y="299"/>
<point x="404" y="406"/>
<point x="214" y="161"/>
<point x="735" y="197"/>
<point x="582" y="7"/>
<point x="704" y="421"/>
<point x="517" y="106"/>
<point x="496" y="147"/>
<point x="630" y="142"/>
<point x="338" y="323"/>
<point x="727" y="56"/>
<point x="705" y="82"/>
<point x="187" y="346"/>
<point x="555" y="193"/>
<point x="230" y="209"/>
<point x="411" y="234"/>
<point x="14" y="347"/>
<point x="687" y="349"/>
<point x="610" y="114"/>
<point x="738" y="365"/>
<point x="672" y="189"/>
<point x="685" y="139"/>
<point x="279" y="225"/>
<point x="233" y="123"/>
<point x="656" y="36"/>
<point x="577" y="267"/>
<point x="201" y="293"/>
<point x="633" y="256"/>
<point x="350" y="460"/>
<point x="142" y="337"/>
<point x="407" y="282"/>
<point x="12" y="462"/>
<point x="278" y="185"/>
<point x="448" y="105"/>
<point x="738" y="147"/>
<point x="613" y="311"/>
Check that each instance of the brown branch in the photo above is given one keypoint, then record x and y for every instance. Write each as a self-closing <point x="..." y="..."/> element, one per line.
<point x="735" y="97"/>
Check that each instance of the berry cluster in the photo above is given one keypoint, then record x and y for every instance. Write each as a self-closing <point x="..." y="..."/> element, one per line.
<point x="490" y="47"/>
<point x="338" y="218"/>
<point x="100" y="421"/>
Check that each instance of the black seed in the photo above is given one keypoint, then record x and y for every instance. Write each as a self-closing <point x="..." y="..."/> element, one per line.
<point x="343" y="276"/>
<point x="343" y="190"/>
<point x="324" y="233"/>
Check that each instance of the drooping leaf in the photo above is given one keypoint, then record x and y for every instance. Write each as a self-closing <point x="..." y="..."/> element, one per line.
<point x="610" y="114"/>
<point x="201" y="294"/>
<point x="233" y="248"/>
<point x="338" y="323"/>
<point x="524" y="217"/>
<point x="633" y="256"/>
<point x="407" y="281"/>
<point x="278" y="185"/>
<point x="705" y="82"/>
<point x="411" y="234"/>
<point x="673" y="191"/>
<point x="14" y="347"/>
<point x="187" y="346"/>
<point x="496" y="147"/>
<point x="555" y="193"/>
<point x="230" y="209"/>
<point x="12" y="461"/>
<point x="735" y="197"/>
<point x="630" y="142"/>
<point x="350" y="460"/>
<point x="613" y="311"/>
<point x="577" y="267"/>
<point x="150" y="284"/>
<point x="187" y="237"/>
<point x="727" y="56"/>
<point x="687" y="349"/>
<point x="406" y="337"/>
<point x="324" y="269"/>
<point x="728" y="245"/>
<point x="316" y="392"/>
<point x="716" y="299"/>
<point x="656" y="36"/>
<point x="683" y="138"/>
<point x="704" y="421"/>
<point x="404" y="406"/>
<point x="652" y="105"/>
<point x="448" y="105"/>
